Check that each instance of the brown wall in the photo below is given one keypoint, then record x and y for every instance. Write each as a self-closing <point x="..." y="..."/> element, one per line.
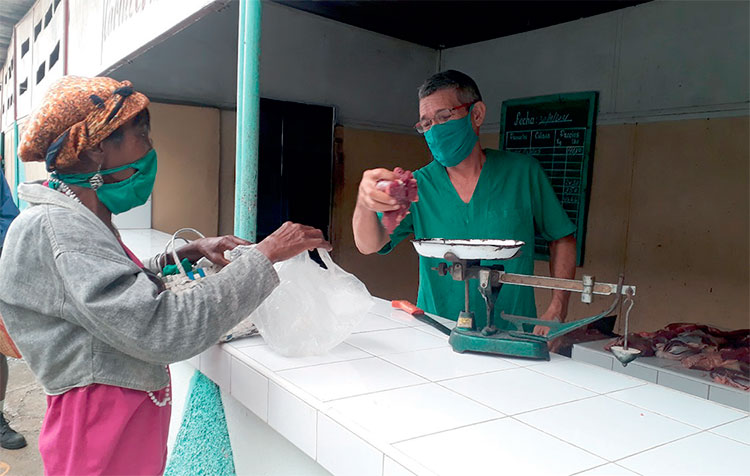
<point x="226" y="172"/>
<point x="669" y="209"/>
<point x="186" y="192"/>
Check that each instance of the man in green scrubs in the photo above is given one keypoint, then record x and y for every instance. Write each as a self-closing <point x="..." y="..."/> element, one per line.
<point x="468" y="192"/>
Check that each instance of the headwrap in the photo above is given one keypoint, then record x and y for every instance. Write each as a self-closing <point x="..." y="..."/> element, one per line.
<point x="75" y="115"/>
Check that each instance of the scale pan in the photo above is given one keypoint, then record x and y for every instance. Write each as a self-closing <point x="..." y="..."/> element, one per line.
<point x="468" y="249"/>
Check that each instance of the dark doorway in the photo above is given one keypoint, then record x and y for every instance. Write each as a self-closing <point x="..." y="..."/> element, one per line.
<point x="295" y="166"/>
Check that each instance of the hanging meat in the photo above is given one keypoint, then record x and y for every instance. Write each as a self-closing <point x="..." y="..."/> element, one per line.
<point x="404" y="190"/>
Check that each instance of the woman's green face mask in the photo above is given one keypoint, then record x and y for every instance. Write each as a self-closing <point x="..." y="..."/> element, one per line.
<point x="121" y="196"/>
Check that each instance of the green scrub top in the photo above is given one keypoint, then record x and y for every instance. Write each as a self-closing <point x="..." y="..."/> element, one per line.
<point x="512" y="199"/>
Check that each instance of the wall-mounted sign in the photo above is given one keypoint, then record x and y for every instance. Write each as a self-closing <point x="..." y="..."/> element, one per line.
<point x="559" y="131"/>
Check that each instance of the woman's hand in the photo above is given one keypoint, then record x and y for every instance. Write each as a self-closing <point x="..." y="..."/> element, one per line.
<point x="290" y="240"/>
<point x="211" y="248"/>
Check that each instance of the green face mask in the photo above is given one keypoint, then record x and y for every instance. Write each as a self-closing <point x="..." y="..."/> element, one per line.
<point x="451" y="142"/>
<point x="121" y="196"/>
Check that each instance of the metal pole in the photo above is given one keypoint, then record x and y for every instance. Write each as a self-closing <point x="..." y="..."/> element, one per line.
<point x="20" y="171"/>
<point x="248" y="106"/>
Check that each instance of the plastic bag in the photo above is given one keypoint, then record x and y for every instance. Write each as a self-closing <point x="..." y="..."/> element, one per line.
<point x="313" y="309"/>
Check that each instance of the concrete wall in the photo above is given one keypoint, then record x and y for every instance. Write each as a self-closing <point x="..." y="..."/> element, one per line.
<point x="370" y="78"/>
<point x="656" y="61"/>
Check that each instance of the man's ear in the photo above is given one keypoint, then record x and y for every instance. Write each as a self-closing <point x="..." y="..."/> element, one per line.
<point x="478" y="114"/>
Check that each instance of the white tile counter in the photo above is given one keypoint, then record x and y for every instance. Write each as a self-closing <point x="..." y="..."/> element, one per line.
<point x="394" y="399"/>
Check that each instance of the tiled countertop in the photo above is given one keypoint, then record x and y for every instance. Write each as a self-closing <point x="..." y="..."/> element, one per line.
<point x="394" y="399"/>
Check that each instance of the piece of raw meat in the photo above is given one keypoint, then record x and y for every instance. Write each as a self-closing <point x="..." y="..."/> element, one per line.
<point x="726" y="354"/>
<point x="404" y="190"/>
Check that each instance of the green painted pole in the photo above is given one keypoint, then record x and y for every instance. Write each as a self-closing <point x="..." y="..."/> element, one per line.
<point x="248" y="108"/>
<point x="20" y="175"/>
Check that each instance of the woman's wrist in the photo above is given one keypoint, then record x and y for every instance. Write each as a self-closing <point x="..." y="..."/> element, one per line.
<point x="267" y="250"/>
<point x="189" y="251"/>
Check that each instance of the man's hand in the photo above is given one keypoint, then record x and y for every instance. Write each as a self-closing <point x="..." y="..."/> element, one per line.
<point x="373" y="199"/>
<point x="211" y="248"/>
<point x="290" y="240"/>
<point x="369" y="233"/>
<point x="553" y="313"/>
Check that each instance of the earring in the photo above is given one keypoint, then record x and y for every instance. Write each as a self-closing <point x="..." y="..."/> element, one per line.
<point x="97" y="180"/>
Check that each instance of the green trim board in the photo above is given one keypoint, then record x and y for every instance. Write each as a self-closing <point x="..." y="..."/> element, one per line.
<point x="558" y="130"/>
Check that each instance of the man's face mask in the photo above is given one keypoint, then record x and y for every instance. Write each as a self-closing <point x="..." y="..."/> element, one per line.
<point x="452" y="141"/>
<point x="121" y="196"/>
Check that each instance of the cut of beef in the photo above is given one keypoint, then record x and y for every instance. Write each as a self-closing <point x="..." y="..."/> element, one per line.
<point x="404" y="190"/>
<point x="726" y="354"/>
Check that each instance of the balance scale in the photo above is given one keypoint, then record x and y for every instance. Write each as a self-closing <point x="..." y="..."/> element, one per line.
<point x="464" y="257"/>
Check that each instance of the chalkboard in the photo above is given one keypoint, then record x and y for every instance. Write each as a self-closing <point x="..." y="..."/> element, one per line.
<point x="559" y="131"/>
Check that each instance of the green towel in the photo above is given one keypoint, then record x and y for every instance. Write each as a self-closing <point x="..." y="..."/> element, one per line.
<point x="202" y="445"/>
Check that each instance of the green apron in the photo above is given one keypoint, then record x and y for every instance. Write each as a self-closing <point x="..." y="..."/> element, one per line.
<point x="512" y="199"/>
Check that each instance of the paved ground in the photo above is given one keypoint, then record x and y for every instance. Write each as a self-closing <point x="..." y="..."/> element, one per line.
<point x="24" y="407"/>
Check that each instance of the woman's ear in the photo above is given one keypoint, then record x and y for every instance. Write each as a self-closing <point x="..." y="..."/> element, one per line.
<point x="478" y="114"/>
<point x="94" y="157"/>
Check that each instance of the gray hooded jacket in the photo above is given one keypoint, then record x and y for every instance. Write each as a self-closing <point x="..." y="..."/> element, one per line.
<point x="81" y="312"/>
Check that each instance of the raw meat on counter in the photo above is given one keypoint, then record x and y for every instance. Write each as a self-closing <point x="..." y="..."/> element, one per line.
<point x="726" y="354"/>
<point x="404" y="190"/>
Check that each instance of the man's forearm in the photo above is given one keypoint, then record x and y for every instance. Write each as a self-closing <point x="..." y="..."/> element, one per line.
<point x="562" y="264"/>
<point x="369" y="234"/>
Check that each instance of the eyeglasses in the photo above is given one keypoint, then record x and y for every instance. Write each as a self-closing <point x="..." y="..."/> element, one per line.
<point x="440" y="117"/>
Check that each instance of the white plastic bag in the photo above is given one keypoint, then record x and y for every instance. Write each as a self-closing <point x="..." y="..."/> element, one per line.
<point x="313" y="309"/>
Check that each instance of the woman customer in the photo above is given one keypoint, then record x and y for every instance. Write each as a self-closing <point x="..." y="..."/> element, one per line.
<point x="96" y="328"/>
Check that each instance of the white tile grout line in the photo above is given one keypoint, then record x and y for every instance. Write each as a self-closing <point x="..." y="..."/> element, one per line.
<point x="643" y="382"/>
<point x="711" y="430"/>
<point x="617" y="461"/>
<point x="624" y="457"/>
<point x="317" y="418"/>
<point x="513" y="416"/>
<point x="373" y="440"/>
<point x="605" y="464"/>
<point x="560" y="439"/>
<point x="673" y="418"/>
<point x="369" y="356"/>
<point x="459" y="427"/>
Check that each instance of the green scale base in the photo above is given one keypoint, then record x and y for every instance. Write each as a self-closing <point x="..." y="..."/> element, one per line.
<point x="501" y="343"/>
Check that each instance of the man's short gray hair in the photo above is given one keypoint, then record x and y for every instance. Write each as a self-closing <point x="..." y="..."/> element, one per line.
<point x="466" y="89"/>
